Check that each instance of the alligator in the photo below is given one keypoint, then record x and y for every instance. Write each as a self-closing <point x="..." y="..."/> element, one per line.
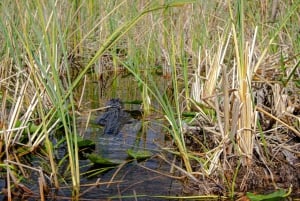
<point x="114" y="117"/>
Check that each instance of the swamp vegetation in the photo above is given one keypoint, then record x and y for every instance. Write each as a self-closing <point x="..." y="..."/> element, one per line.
<point x="220" y="79"/>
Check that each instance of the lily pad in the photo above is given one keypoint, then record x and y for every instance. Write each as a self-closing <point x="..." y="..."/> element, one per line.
<point x="99" y="160"/>
<point x="139" y="154"/>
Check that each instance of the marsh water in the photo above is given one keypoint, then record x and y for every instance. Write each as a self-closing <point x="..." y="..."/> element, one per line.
<point x="132" y="180"/>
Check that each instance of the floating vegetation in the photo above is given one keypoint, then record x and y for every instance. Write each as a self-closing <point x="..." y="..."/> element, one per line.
<point x="99" y="160"/>
<point x="139" y="154"/>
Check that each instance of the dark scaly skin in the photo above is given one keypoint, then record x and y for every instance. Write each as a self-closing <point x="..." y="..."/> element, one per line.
<point x="114" y="117"/>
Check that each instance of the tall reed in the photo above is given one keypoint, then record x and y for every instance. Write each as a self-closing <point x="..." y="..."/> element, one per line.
<point x="246" y="69"/>
<point x="244" y="72"/>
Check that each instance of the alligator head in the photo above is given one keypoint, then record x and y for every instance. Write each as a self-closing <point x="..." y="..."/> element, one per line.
<point x="114" y="117"/>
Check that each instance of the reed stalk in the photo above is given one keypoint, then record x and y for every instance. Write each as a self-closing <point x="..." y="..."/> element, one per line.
<point x="244" y="135"/>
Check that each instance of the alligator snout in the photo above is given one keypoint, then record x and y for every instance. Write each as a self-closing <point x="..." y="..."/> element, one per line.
<point x="114" y="117"/>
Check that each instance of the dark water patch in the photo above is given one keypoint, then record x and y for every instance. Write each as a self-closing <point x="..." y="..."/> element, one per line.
<point x="132" y="180"/>
<point x="128" y="179"/>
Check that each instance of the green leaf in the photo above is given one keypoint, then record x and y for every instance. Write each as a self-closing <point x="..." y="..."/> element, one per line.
<point x="277" y="195"/>
<point x="133" y="102"/>
<point x="189" y="114"/>
<point x="81" y="142"/>
<point x="179" y="3"/>
<point x="33" y="127"/>
<point x="99" y="160"/>
<point x="139" y="155"/>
